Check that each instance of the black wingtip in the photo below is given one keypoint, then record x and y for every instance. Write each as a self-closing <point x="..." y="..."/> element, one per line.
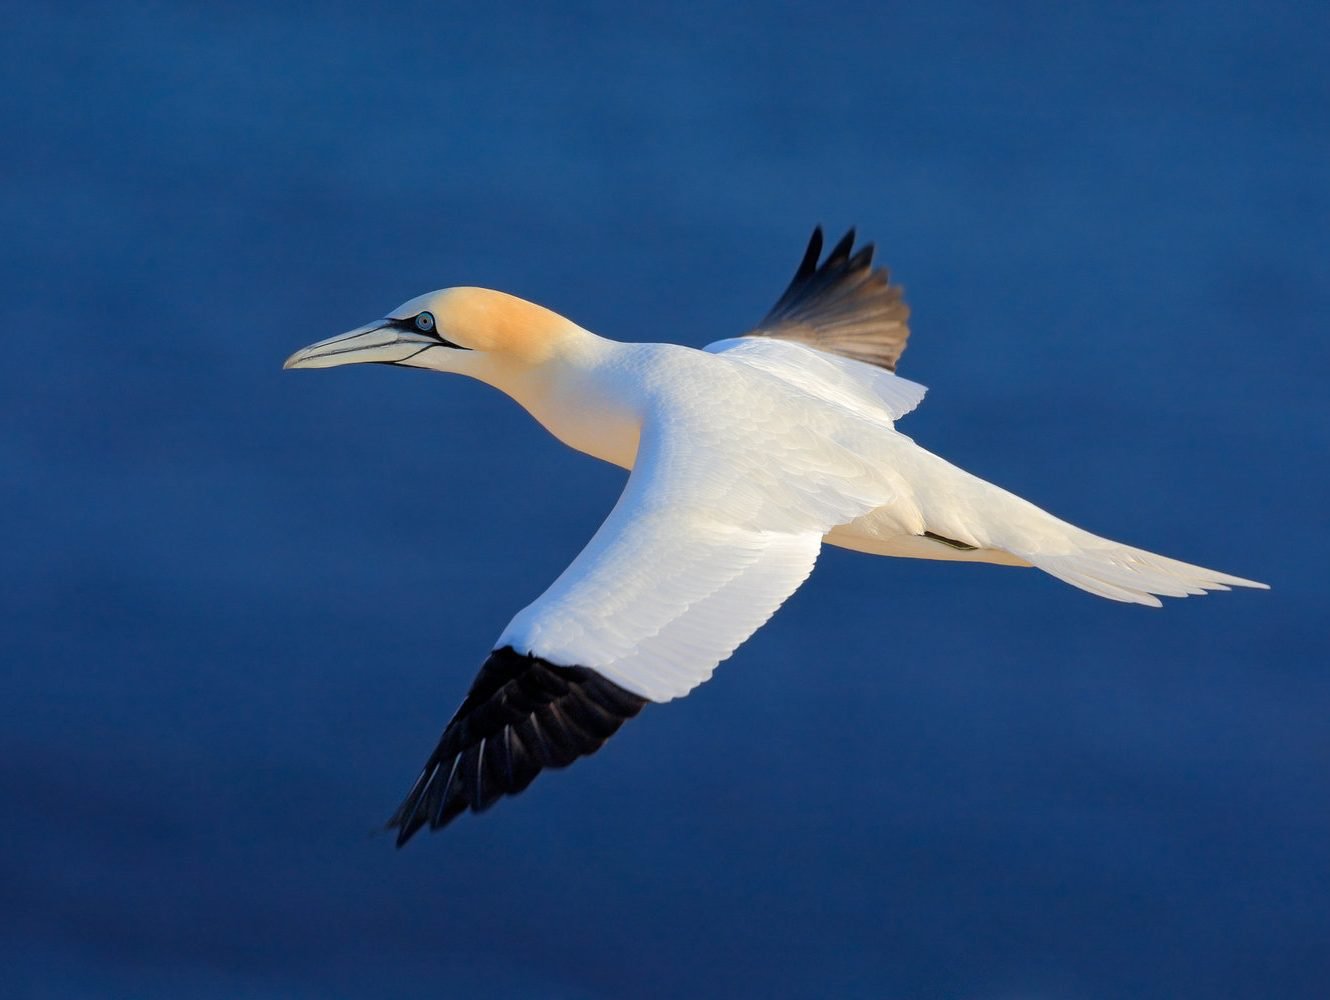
<point x="862" y="259"/>
<point x="843" y="305"/>
<point x="522" y="714"/>
<point x="841" y="251"/>
<point x="811" y="254"/>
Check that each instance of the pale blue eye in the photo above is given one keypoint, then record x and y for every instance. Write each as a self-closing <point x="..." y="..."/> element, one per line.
<point x="425" y="322"/>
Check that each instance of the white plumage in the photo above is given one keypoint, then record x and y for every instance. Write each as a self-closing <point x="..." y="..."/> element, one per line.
<point x="734" y="484"/>
<point x="745" y="458"/>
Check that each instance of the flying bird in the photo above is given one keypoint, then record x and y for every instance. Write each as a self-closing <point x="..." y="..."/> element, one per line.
<point x="745" y="457"/>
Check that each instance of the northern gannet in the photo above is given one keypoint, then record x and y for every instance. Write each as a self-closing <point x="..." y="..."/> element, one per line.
<point x="745" y="457"/>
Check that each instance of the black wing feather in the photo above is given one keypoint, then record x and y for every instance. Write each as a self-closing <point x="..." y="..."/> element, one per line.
<point x="522" y="714"/>
<point x="844" y="306"/>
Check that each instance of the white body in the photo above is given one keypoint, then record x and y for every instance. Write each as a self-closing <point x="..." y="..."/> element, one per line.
<point x="755" y="419"/>
<point x="745" y="458"/>
<point x="600" y="404"/>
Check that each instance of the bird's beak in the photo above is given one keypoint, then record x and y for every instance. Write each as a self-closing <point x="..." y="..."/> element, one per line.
<point x="382" y="341"/>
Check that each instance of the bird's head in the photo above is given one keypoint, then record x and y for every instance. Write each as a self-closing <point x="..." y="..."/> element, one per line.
<point x="473" y="331"/>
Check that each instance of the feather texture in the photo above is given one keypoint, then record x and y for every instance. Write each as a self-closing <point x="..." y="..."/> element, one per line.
<point x="843" y="305"/>
<point x="872" y="392"/>
<point x="721" y="520"/>
<point x="522" y="714"/>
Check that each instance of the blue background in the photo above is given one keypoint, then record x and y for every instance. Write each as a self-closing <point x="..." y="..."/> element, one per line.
<point x="238" y="604"/>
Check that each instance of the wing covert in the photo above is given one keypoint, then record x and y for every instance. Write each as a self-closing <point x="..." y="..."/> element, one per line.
<point x="873" y="392"/>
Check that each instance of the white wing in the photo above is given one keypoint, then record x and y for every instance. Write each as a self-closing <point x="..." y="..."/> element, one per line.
<point x="868" y="390"/>
<point x="717" y="526"/>
<point x="737" y="478"/>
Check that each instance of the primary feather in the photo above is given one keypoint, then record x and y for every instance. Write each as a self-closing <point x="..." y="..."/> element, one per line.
<point x="843" y="305"/>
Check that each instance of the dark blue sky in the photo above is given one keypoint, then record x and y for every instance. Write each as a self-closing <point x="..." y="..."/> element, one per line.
<point x="238" y="605"/>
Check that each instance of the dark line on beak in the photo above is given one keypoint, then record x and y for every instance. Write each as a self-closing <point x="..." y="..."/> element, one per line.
<point x="404" y="360"/>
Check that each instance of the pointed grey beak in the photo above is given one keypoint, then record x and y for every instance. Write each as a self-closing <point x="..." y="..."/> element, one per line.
<point x="385" y="341"/>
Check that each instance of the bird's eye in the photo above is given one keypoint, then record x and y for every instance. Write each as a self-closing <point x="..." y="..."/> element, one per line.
<point x="425" y="322"/>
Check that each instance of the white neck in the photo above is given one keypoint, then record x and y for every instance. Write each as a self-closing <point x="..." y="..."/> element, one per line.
<point x="581" y="393"/>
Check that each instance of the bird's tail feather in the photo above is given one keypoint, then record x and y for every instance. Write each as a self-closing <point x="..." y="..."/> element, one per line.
<point x="1122" y="573"/>
<point x="960" y="508"/>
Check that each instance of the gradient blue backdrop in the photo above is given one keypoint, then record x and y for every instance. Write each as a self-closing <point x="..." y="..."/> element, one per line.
<point x="238" y="604"/>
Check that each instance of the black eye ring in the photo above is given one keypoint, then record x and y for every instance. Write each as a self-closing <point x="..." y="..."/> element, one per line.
<point x="425" y="322"/>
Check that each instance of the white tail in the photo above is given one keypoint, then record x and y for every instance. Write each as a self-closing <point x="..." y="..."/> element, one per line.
<point x="947" y="513"/>
<point x="1122" y="573"/>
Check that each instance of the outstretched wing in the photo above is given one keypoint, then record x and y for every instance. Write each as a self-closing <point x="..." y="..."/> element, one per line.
<point x="872" y="392"/>
<point x="844" y="306"/>
<point x="709" y="538"/>
<point x="521" y="715"/>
